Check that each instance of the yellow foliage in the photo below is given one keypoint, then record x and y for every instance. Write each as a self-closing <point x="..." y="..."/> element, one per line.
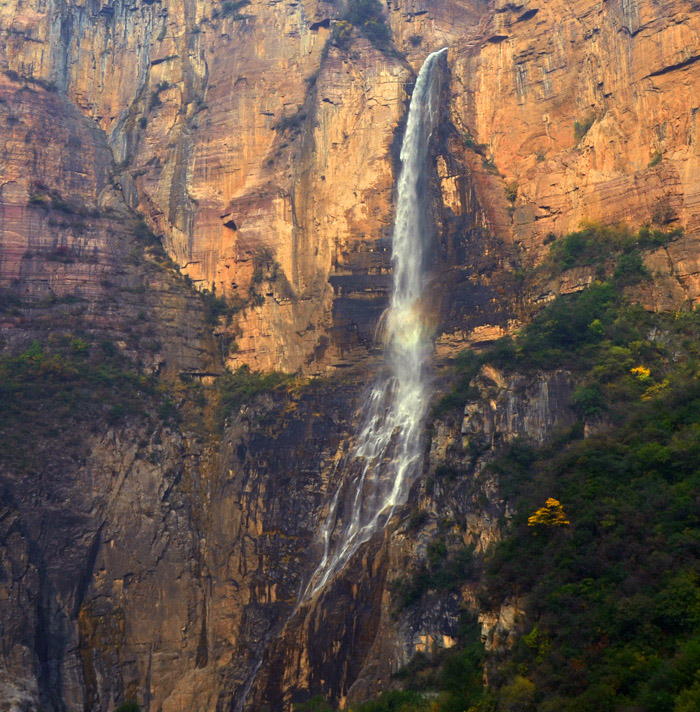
<point x="655" y="390"/>
<point x="641" y="372"/>
<point x="551" y="515"/>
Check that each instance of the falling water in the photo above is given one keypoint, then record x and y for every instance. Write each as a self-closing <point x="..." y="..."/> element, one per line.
<point x="387" y="452"/>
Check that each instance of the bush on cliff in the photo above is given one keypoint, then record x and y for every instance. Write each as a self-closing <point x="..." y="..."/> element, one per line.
<point x="368" y="17"/>
<point x="594" y="244"/>
<point x="235" y="388"/>
<point x="48" y="388"/>
<point x="129" y="707"/>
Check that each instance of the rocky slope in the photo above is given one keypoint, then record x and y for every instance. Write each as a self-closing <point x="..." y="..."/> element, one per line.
<point x="161" y="561"/>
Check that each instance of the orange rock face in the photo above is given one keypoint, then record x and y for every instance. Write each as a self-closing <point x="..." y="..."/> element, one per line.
<point x="590" y="110"/>
<point x="69" y="261"/>
<point x="263" y="153"/>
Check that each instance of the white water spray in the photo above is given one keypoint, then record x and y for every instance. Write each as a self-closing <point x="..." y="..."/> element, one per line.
<point x="388" y="450"/>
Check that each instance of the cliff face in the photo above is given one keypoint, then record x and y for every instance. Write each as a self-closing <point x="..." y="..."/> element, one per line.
<point x="261" y="149"/>
<point x="163" y="562"/>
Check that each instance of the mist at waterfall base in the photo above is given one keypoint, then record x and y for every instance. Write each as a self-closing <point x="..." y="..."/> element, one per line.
<point x="388" y="449"/>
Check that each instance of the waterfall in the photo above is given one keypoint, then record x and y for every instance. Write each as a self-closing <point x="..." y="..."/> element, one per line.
<point x="388" y="449"/>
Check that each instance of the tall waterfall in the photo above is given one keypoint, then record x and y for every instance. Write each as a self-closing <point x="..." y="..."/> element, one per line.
<point x="388" y="448"/>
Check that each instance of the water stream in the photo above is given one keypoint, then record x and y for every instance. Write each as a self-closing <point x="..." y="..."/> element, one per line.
<point x="388" y="449"/>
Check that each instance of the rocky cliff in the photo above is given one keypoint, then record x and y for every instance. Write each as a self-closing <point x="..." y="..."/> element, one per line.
<point x="248" y="150"/>
<point x="260" y="145"/>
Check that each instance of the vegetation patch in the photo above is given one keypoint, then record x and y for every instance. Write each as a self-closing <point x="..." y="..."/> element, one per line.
<point x="154" y="100"/>
<point x="612" y="620"/>
<point x="604" y="546"/>
<point x="47" y="390"/>
<point x="581" y="128"/>
<point x="594" y="244"/>
<point x="231" y="9"/>
<point x="581" y="331"/>
<point x="443" y="570"/>
<point x="368" y="17"/>
<point x="235" y="388"/>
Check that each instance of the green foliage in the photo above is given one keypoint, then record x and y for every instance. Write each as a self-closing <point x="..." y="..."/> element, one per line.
<point x="235" y="388"/>
<point x="58" y="203"/>
<point x="656" y="159"/>
<point x="47" y="389"/>
<point x="395" y="701"/>
<point x="315" y="704"/>
<point x="466" y="366"/>
<point x="512" y="191"/>
<point x="589" y="401"/>
<point x="232" y="9"/>
<point x="581" y="128"/>
<point x="144" y="233"/>
<point x="613" y="609"/>
<point x="292" y="123"/>
<point x="630" y="270"/>
<point x="443" y="571"/>
<point x="612" y="618"/>
<point x="129" y="707"/>
<point x="154" y="99"/>
<point x="216" y="307"/>
<point x="595" y="244"/>
<point x="368" y="17"/>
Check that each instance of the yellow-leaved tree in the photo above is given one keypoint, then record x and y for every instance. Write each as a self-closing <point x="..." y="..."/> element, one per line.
<point x="551" y="515"/>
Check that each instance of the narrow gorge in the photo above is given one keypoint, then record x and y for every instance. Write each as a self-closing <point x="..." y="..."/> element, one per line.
<point x="349" y="355"/>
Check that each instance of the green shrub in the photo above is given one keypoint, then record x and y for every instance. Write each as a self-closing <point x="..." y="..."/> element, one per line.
<point x="154" y="101"/>
<point x="215" y="307"/>
<point x="581" y="128"/>
<point x="368" y="17"/>
<point x="292" y="123"/>
<point x="315" y="704"/>
<point x="395" y="701"/>
<point x="232" y="9"/>
<point x="235" y="388"/>
<point x="466" y="366"/>
<point x="630" y="270"/>
<point x="512" y="191"/>
<point x="589" y="401"/>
